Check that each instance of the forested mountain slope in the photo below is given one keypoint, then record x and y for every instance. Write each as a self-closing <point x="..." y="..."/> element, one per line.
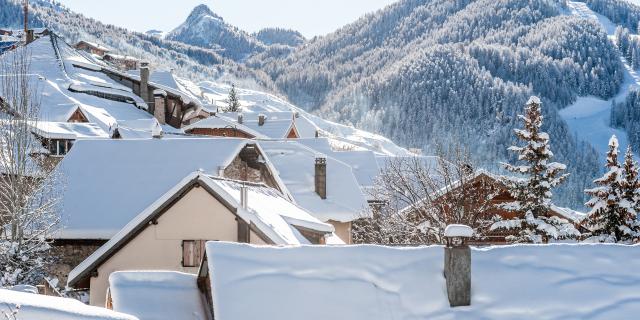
<point x="427" y="72"/>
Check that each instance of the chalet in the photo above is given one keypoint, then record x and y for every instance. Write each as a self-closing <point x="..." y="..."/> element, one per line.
<point x="170" y="234"/>
<point x="216" y="126"/>
<point x="488" y="182"/>
<point x="57" y="138"/>
<point x="92" y="48"/>
<point x="323" y="185"/>
<point x="122" y="62"/>
<point x="274" y="125"/>
<point x="107" y="182"/>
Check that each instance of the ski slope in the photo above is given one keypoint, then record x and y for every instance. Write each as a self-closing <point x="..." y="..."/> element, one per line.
<point x="589" y="117"/>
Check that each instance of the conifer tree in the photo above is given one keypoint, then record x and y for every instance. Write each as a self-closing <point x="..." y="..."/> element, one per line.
<point x="532" y="192"/>
<point x="630" y="192"/>
<point x="234" y="103"/>
<point x="611" y="218"/>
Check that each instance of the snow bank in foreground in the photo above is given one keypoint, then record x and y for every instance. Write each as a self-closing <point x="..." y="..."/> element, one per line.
<point x="369" y="282"/>
<point x="39" y="307"/>
<point x="157" y="295"/>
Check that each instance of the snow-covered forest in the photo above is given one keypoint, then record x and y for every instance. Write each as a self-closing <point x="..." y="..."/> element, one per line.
<point x="428" y="72"/>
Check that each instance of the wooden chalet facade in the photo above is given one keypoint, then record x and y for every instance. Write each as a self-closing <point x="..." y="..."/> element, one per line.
<point x="492" y="189"/>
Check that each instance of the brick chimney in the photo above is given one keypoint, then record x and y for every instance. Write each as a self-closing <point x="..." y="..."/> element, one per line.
<point x="261" y="119"/>
<point x="159" y="109"/>
<point x="144" y="82"/>
<point x="321" y="177"/>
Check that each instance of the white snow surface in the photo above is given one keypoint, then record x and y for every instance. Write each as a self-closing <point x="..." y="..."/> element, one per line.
<point x="295" y="164"/>
<point x="458" y="230"/>
<point x="255" y="102"/>
<point x="589" y="117"/>
<point x="41" y="307"/>
<point x="108" y="182"/>
<point x="157" y="295"/>
<point x="371" y="282"/>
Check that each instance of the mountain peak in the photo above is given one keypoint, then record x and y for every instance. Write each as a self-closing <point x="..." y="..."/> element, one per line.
<point x="202" y="10"/>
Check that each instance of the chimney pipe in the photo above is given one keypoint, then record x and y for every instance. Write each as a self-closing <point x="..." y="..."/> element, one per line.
<point x="240" y="118"/>
<point x="244" y="197"/>
<point x="261" y="119"/>
<point x="321" y="177"/>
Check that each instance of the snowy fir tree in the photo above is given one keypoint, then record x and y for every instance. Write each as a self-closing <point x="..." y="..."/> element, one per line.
<point x="532" y="191"/>
<point x="234" y="103"/>
<point x="612" y="217"/>
<point x="630" y="203"/>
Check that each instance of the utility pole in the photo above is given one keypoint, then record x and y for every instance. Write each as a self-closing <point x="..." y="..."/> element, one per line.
<point x="26" y="16"/>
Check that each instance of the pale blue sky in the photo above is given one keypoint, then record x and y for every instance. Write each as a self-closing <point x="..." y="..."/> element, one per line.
<point x="310" y="17"/>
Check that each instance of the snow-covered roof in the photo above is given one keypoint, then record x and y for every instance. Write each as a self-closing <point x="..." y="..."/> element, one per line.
<point x="371" y="282"/>
<point x="108" y="182"/>
<point x="215" y="122"/>
<point x="277" y="125"/>
<point x="35" y="306"/>
<point x="295" y="164"/>
<point x="94" y="45"/>
<point x="65" y="84"/>
<point x="68" y="130"/>
<point x="267" y="210"/>
<point x="157" y="295"/>
<point x="363" y="162"/>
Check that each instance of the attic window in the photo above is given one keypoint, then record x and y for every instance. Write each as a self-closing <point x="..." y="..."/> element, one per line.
<point x="192" y="252"/>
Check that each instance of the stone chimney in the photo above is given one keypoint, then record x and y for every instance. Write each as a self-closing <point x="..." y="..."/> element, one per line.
<point x="144" y="82"/>
<point x="457" y="264"/>
<point x="29" y="36"/>
<point x="261" y="119"/>
<point x="159" y="106"/>
<point x="240" y="118"/>
<point x="321" y="177"/>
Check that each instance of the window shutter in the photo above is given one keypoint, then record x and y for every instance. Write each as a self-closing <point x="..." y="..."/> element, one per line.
<point x="188" y="253"/>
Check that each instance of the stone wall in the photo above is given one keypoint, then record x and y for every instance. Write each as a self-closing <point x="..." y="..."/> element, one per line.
<point x="67" y="255"/>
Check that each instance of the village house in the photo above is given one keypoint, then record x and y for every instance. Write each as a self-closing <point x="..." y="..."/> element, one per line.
<point x="122" y="62"/>
<point x="57" y="138"/>
<point x="107" y="182"/>
<point x="268" y="125"/>
<point x="170" y="234"/>
<point x="216" y="126"/>
<point x="92" y="48"/>
<point x="486" y="182"/>
<point x="324" y="186"/>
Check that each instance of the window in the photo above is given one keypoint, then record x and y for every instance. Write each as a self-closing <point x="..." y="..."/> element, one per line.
<point x="192" y="252"/>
